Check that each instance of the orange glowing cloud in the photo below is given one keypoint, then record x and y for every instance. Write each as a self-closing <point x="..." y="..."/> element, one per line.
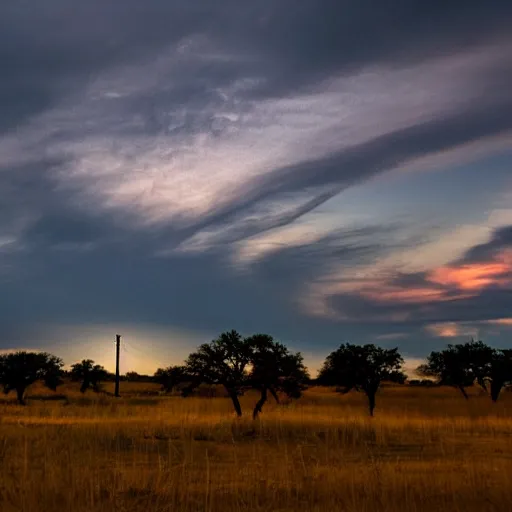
<point x="409" y="295"/>
<point x="472" y="276"/>
<point x="451" y="330"/>
<point x="382" y="290"/>
<point x="440" y="283"/>
<point x="457" y="329"/>
<point x="506" y="322"/>
<point x="445" y="283"/>
<point x="448" y="330"/>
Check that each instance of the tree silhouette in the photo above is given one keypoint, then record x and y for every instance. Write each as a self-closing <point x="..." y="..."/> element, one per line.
<point x="274" y="369"/>
<point x="495" y="371"/>
<point x="91" y="375"/>
<point x="459" y="365"/>
<point x="21" y="369"/>
<point x="170" y="377"/>
<point x="223" y="361"/>
<point x="362" y="368"/>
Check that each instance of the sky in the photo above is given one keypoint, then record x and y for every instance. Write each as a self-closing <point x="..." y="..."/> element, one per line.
<point x="325" y="171"/>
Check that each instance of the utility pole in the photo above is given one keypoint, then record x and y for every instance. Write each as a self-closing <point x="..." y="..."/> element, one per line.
<point x="118" y="346"/>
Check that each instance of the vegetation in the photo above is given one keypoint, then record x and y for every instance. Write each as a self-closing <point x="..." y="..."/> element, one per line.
<point x="496" y="371"/>
<point x="362" y="368"/>
<point x="425" y="450"/>
<point x="170" y="378"/>
<point x="89" y="374"/>
<point x="224" y="361"/>
<point x="137" y="377"/>
<point x="19" y="370"/>
<point x="147" y="451"/>
<point x="464" y="364"/>
<point x="274" y="369"/>
<point x="239" y="364"/>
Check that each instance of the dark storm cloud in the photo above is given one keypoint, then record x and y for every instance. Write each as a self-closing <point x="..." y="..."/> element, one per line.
<point x="121" y="282"/>
<point x="39" y="214"/>
<point x="307" y="41"/>
<point x="490" y="303"/>
<point x="501" y="239"/>
<point x="51" y="49"/>
<point x="24" y="192"/>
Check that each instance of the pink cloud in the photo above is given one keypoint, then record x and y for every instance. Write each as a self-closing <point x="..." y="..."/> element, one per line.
<point x="506" y="322"/>
<point x="456" y="329"/>
<point x="407" y="295"/>
<point x="445" y="283"/>
<point x="472" y="276"/>
<point x="451" y="330"/>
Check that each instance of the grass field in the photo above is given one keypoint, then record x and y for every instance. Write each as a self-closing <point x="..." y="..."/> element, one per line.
<point x="426" y="449"/>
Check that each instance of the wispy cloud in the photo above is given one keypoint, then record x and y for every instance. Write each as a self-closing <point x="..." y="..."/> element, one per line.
<point x="219" y="144"/>
<point x="392" y="336"/>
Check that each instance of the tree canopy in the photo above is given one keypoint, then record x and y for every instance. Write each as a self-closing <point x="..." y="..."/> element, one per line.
<point x="275" y="369"/>
<point x="462" y="364"/>
<point x="458" y="365"/>
<point x="171" y="377"/>
<point x="223" y="361"/>
<point x="19" y="370"/>
<point x="90" y="374"/>
<point x="237" y="363"/>
<point x="498" y="371"/>
<point x="363" y="368"/>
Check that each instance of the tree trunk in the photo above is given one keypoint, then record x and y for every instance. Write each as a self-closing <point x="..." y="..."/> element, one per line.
<point x="463" y="391"/>
<point x="84" y="387"/>
<point x="371" y="401"/>
<point x="186" y="391"/>
<point x="20" y="392"/>
<point x="274" y="394"/>
<point x="260" y="403"/>
<point x="482" y="384"/>
<point x="495" y="390"/>
<point x="236" y="403"/>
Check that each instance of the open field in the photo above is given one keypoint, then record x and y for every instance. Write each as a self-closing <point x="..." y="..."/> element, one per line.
<point x="426" y="449"/>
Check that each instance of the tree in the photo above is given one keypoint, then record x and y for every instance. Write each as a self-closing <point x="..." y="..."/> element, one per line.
<point x="274" y="369"/>
<point x="459" y="365"/>
<point x="137" y="377"/>
<point x="20" y="370"/>
<point x="223" y="361"/>
<point x="170" y="377"/>
<point x="362" y="368"/>
<point x="497" y="371"/>
<point x="90" y="374"/>
<point x="422" y="382"/>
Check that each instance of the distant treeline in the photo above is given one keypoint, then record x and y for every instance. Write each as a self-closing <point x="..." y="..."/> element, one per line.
<point x="111" y="377"/>
<point x="260" y="363"/>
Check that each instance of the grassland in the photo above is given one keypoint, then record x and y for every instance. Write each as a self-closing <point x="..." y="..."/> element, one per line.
<point x="426" y="449"/>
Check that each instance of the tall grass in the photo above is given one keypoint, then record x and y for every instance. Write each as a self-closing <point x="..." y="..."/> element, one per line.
<point x="426" y="449"/>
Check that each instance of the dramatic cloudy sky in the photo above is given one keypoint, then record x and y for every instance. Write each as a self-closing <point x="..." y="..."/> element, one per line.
<point x="322" y="170"/>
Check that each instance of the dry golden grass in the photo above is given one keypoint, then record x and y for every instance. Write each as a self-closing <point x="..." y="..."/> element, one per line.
<point x="426" y="449"/>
